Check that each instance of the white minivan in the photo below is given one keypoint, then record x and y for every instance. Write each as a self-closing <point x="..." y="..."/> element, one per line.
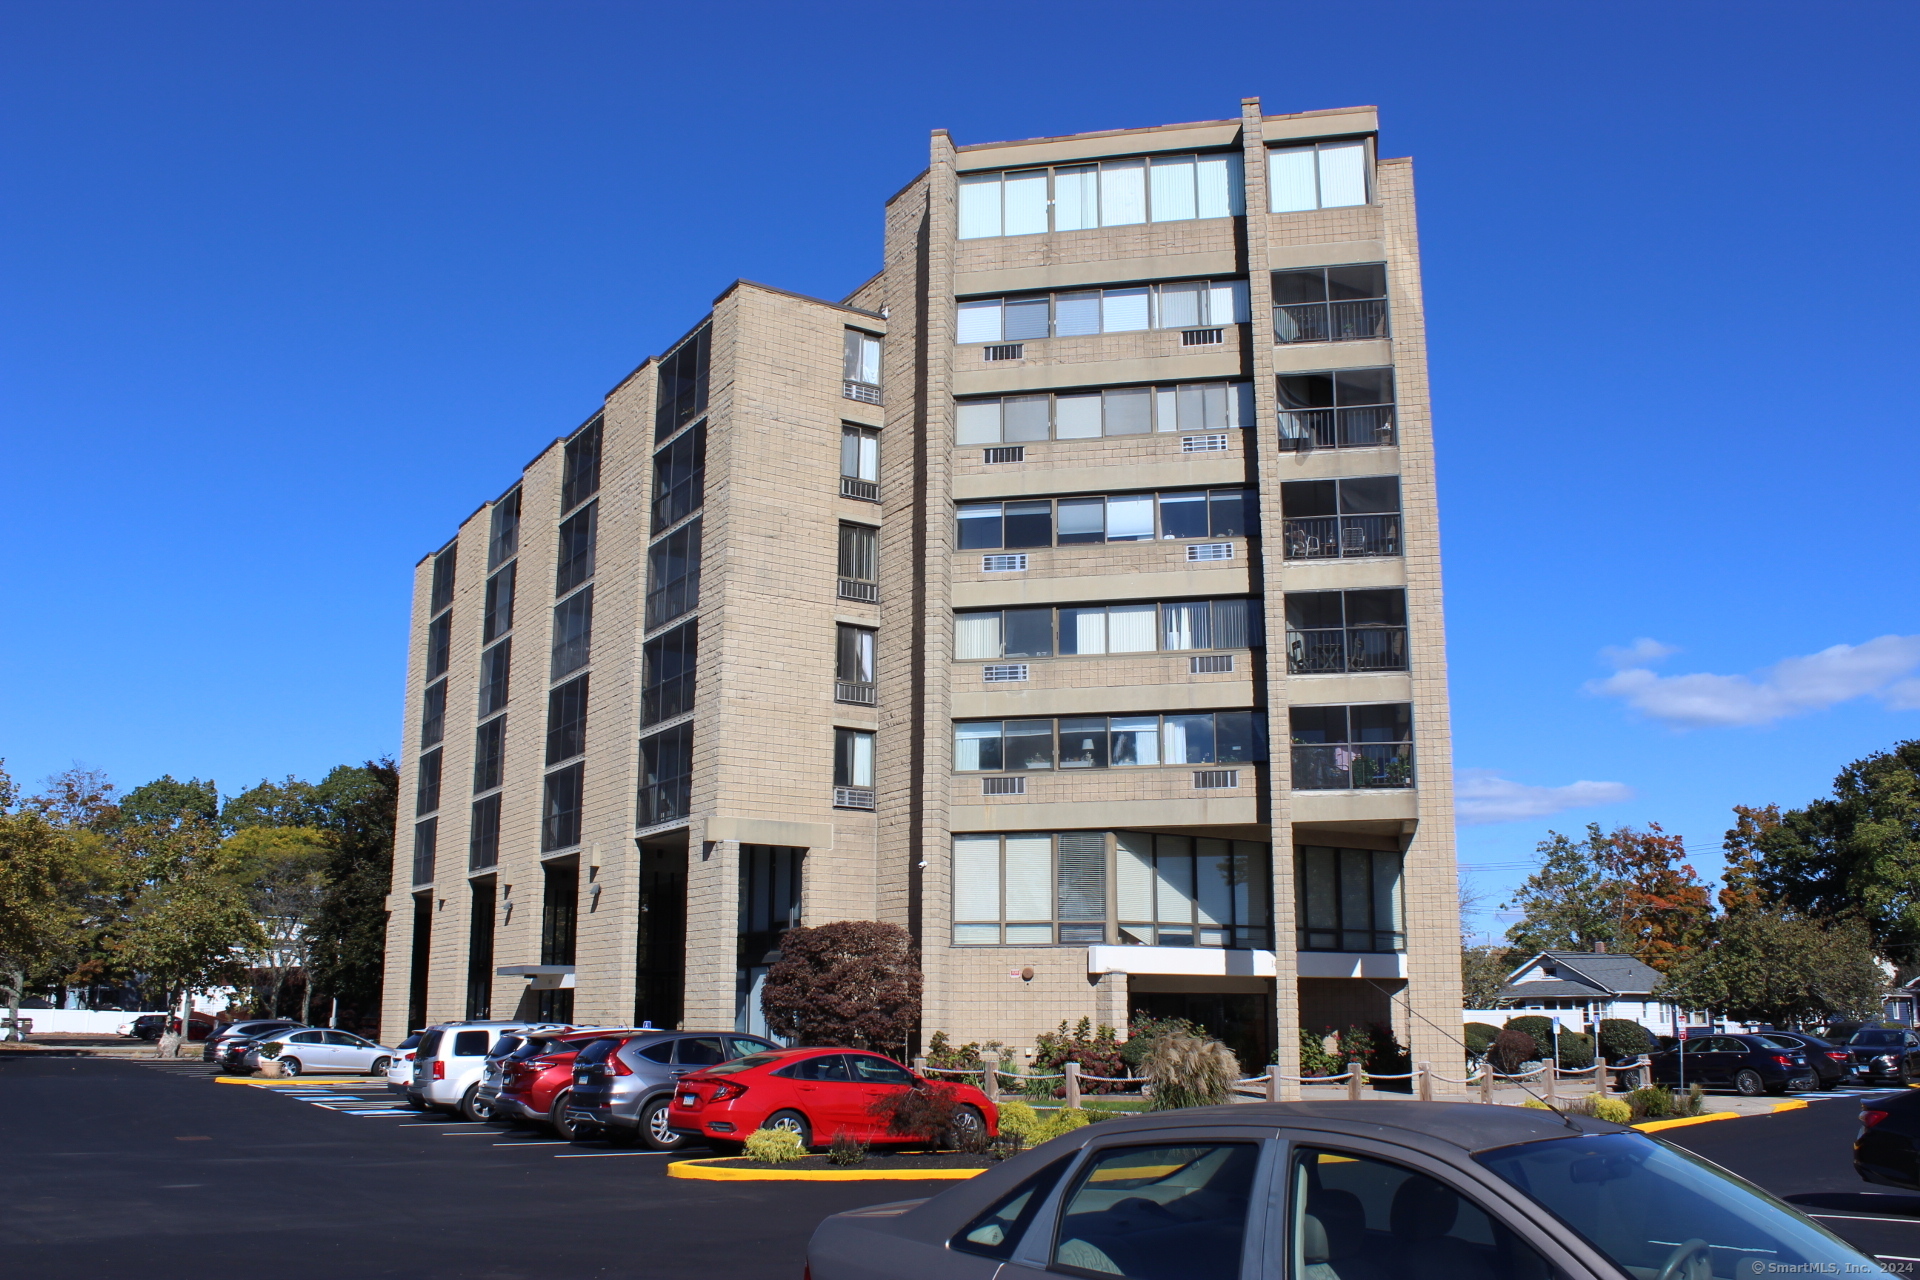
<point x="448" y="1062"/>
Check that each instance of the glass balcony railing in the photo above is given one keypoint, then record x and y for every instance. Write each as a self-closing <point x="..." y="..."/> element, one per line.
<point x="1349" y="649"/>
<point x="1342" y="537"/>
<point x="1349" y="766"/>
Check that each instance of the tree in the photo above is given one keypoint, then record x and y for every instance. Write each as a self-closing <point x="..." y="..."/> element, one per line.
<point x="1483" y="971"/>
<point x="40" y="922"/>
<point x="164" y="801"/>
<point x="852" y="982"/>
<point x="274" y="804"/>
<point x="1665" y="914"/>
<point x="357" y="808"/>
<point x="189" y="923"/>
<point x="1746" y="859"/>
<point x="1572" y="901"/>
<point x="1774" y="967"/>
<point x="281" y="874"/>
<point x="1856" y="853"/>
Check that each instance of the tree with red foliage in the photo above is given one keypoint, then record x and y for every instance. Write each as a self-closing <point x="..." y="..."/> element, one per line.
<point x="852" y="982"/>
<point x="1746" y="859"/>
<point x="1665" y="913"/>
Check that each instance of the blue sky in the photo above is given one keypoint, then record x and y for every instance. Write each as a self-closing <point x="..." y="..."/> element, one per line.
<point x="292" y="289"/>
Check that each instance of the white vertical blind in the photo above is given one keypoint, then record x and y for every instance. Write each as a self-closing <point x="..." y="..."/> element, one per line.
<point x="967" y="739"/>
<point x="1076" y="198"/>
<point x="1219" y="186"/>
<point x="1134" y="875"/>
<point x="1076" y="417"/>
<point x="1290" y="179"/>
<point x="977" y="422"/>
<point x="1029" y="872"/>
<point x="1343" y="174"/>
<point x="1130" y="627"/>
<point x="1179" y="305"/>
<point x="1075" y="314"/>
<point x="1123" y="310"/>
<point x="1172" y="188"/>
<point x="978" y="321"/>
<point x="1123" y="192"/>
<point x="1184" y="626"/>
<point x="1083" y="875"/>
<point x="1026" y="202"/>
<point x="1085" y="629"/>
<point x="1166" y="415"/>
<point x="979" y="205"/>
<point x="1130" y="519"/>
<point x="1227" y="302"/>
<point x="1129" y="411"/>
<point x="976" y="878"/>
<point x="977" y="635"/>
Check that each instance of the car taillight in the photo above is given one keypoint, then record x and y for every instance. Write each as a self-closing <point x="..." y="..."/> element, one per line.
<point x="724" y="1092"/>
<point x="1782" y="1059"/>
<point x="1868" y="1119"/>
<point x="619" y="1068"/>
<point x="408" y="1058"/>
<point x="1838" y="1057"/>
<point x="439" y="1069"/>
<point x="541" y="1064"/>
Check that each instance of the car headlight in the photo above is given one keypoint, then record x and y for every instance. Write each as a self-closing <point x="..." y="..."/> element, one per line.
<point x="1885" y="1059"/>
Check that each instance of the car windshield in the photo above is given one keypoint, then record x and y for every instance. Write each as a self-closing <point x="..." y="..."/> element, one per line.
<point x="505" y="1046"/>
<point x="747" y="1063"/>
<point x="1779" y="1042"/>
<point x="411" y="1041"/>
<point x="1882" y="1039"/>
<point x="1656" y="1210"/>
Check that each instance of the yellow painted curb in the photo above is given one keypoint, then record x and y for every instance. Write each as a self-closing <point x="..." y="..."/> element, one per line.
<point x="1650" y="1126"/>
<point x="1778" y="1107"/>
<point x="300" y="1082"/>
<point x="714" y="1172"/>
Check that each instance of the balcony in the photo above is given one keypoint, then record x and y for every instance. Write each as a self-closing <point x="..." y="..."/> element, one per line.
<point x="1368" y="426"/>
<point x="865" y="490"/>
<point x="1349" y="649"/>
<point x="1342" y="537"/>
<point x="1351" y="766"/>
<point x="1330" y="321"/>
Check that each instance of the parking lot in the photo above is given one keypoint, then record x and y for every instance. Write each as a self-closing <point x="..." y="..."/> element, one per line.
<point x="154" y="1169"/>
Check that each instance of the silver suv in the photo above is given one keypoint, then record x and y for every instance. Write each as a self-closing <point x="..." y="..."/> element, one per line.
<point x="623" y="1084"/>
<point x="448" y="1062"/>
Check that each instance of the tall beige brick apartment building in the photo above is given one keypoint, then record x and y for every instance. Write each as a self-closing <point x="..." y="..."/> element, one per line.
<point x="1068" y="594"/>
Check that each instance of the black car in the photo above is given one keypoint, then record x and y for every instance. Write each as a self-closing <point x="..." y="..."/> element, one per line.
<point x="1750" y="1064"/>
<point x="1883" y="1150"/>
<point x="246" y="1029"/>
<point x="1831" y="1063"/>
<point x="149" y="1026"/>
<point x="1884" y="1054"/>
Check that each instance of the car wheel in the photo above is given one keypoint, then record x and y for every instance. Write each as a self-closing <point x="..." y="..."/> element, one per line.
<point x="557" y="1117"/>
<point x="969" y="1129"/>
<point x="1903" y="1076"/>
<point x="1750" y="1084"/>
<point x="473" y="1107"/>
<point x="380" y="1066"/>
<point x="794" y="1123"/>
<point x="653" y="1127"/>
<point x="289" y="1066"/>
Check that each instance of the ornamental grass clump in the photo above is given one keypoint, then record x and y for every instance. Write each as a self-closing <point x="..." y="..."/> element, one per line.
<point x="1186" y="1071"/>
<point x="774" y="1146"/>
<point x="847" y="1150"/>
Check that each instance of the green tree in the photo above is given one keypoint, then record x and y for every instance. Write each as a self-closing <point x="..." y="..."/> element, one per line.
<point x="1572" y="901"/>
<point x="41" y="919"/>
<point x="1745" y="859"/>
<point x="357" y="808"/>
<point x="163" y="801"/>
<point x="1771" y="966"/>
<point x="1483" y="971"/>
<point x="290" y="803"/>
<point x="281" y="874"/>
<point x="189" y="923"/>
<point x="1665" y="913"/>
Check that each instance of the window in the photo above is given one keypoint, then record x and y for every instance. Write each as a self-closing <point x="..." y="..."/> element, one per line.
<point x="1200" y="1192"/>
<point x="666" y="775"/>
<point x="1175" y="304"/>
<point x="1105" y="628"/>
<point x="483" y="834"/>
<point x="496" y="667"/>
<point x="433" y="714"/>
<point x="559" y="926"/>
<point x="1114" y="411"/>
<point x="578" y="533"/>
<point x="489" y="754"/>
<point x="497" y="619"/>
<point x="861" y="358"/>
<point x="852" y="758"/>
<point x="859" y="552"/>
<point x="572" y="633"/>
<point x="860" y="463"/>
<point x="1334" y="631"/>
<point x="580" y="471"/>
<point x="680" y="477"/>
<point x="480" y="928"/>
<point x="1100" y="742"/>
<point x="1115" y="193"/>
<point x="1337" y="748"/>
<point x="1182" y="891"/>
<point x="444" y="565"/>
<point x="673" y="575"/>
<point x="1330" y="304"/>
<point x="439" y="645"/>
<point x="1325" y="519"/>
<point x="1133" y="517"/>
<point x="567" y="721"/>
<point x="426" y="796"/>
<point x="1352" y="408"/>
<point x="560" y="811"/>
<point x="682" y="393"/>
<point x="997" y="1231"/>
<point x="503" y="538"/>
<point x="1326" y="175"/>
<point x="853" y="655"/>
<point x="426" y="835"/>
<point x="1349" y="899"/>
<point x="666" y="687"/>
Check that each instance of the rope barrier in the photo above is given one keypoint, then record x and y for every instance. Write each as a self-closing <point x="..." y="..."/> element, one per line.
<point x="1116" y="1079"/>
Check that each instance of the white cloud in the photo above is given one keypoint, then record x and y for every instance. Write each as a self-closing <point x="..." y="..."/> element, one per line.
<point x="1641" y="653"/>
<point x="1790" y="687"/>
<point x="1482" y="796"/>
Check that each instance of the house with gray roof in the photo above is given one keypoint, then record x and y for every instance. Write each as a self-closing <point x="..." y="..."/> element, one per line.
<point x="1592" y="985"/>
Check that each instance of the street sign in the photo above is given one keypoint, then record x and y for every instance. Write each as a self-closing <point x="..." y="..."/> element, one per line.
<point x="1680" y="1033"/>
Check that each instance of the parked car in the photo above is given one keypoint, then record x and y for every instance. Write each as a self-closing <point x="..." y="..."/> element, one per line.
<point x="246" y="1029"/>
<point x="1883" y="1054"/>
<point x="812" y="1093"/>
<point x="148" y="1026"/>
<point x="1750" y="1064"/>
<point x="1884" y="1149"/>
<point x="400" y="1070"/>
<point x="494" y="1072"/>
<point x="536" y="1080"/>
<point x="199" y="1025"/>
<point x="233" y="1051"/>
<point x="448" y="1061"/>
<point x="310" y="1049"/>
<point x="622" y="1086"/>
<point x="1831" y="1063"/>
<point x="1325" y="1190"/>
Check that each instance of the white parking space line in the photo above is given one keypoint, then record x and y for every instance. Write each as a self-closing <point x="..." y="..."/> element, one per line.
<point x="557" y="1142"/>
<point x="608" y="1155"/>
<point x="477" y="1133"/>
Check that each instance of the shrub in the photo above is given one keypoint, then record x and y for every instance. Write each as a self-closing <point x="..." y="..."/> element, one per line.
<point x="852" y="982"/>
<point x="847" y="1150"/>
<point x="1065" y="1120"/>
<point x="1479" y="1037"/>
<point x="924" y="1113"/>
<point x="1509" y="1050"/>
<point x="1622" y="1040"/>
<point x="1186" y="1071"/>
<point x="1540" y="1029"/>
<point x="1657" y="1102"/>
<point x="1612" y="1110"/>
<point x="1314" y="1058"/>
<point x="1576" y="1051"/>
<point x="1097" y="1050"/>
<point x="1143" y="1029"/>
<point x="774" y="1146"/>
<point x="1023" y="1124"/>
<point x="1019" y="1119"/>
<point x="1389" y="1057"/>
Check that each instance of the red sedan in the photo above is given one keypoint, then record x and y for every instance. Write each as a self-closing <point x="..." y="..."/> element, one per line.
<point x="817" y="1094"/>
<point x="537" y="1079"/>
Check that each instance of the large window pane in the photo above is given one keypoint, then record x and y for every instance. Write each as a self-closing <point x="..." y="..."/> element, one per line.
<point x="1083" y="742"/>
<point x="1025" y="418"/>
<point x="1133" y="874"/>
<point x="1219" y="186"/>
<point x="1239" y="737"/>
<point x="853" y="654"/>
<point x="1029" y="524"/>
<point x="1130" y="628"/>
<point x="580" y="475"/>
<point x="1186" y="626"/>
<point x="1076" y="198"/>
<point x="1188" y="739"/>
<point x="977" y="635"/>
<point x="496" y="667"/>
<point x="503" y="539"/>
<point x="1025" y="319"/>
<point x="852" y="758"/>
<point x="1172" y="189"/>
<point x="1183" y="515"/>
<point x="1343" y="174"/>
<point x="567" y="721"/>
<point x="1076" y="417"/>
<point x="1179" y="305"/>
<point x="667" y="673"/>
<point x="1130" y="518"/>
<point x="978" y="321"/>
<point x="572" y="633"/>
<point x="976" y="878"/>
<point x="1213" y="887"/>
<point x="666" y="775"/>
<point x="489" y="754"/>
<point x="673" y="574"/>
<point x="683" y="384"/>
<point x="859" y="552"/>
<point x="977" y="422"/>
<point x="439" y="645"/>
<point x="1231" y="629"/>
<point x="1029" y="744"/>
<point x="483" y="833"/>
<point x="1083" y="630"/>
<point x="1136" y="739"/>
<point x="1029" y="633"/>
<point x="1291" y="181"/>
<point x="860" y="453"/>
<point x="1129" y="411"/>
<point x="1227" y="302"/>
<point x="497" y="619"/>
<point x="1025" y="202"/>
<point x="979" y="205"/>
<point x="426" y="796"/>
<point x="1123" y="192"/>
<point x="1076" y="314"/>
<point x="433" y="714"/>
<point x="1081" y="869"/>
<point x="560" y="823"/>
<point x="1082" y="520"/>
<point x="977" y="746"/>
<point x="1230" y="513"/>
<point x="1124" y="310"/>
<point x="1173" y="886"/>
<point x="574" y="563"/>
<point x="679" y="477"/>
<point x="445" y="565"/>
<point x="979" y="526"/>
<point x="1029" y="877"/>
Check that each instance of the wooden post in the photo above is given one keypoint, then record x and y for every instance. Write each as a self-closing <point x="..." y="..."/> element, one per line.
<point x="920" y="1066"/>
<point x="1425" y="1070"/>
<point x="1353" y="1082"/>
<point x="1486" y="1082"/>
<point x="990" y="1081"/>
<point x="1600" y="1076"/>
<point x="1073" y="1085"/>
<point x="1273" y="1083"/>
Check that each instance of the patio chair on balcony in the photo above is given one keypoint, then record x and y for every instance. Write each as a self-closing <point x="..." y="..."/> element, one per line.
<point x="1353" y="539"/>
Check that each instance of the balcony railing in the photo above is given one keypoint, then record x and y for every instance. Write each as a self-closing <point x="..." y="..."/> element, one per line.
<point x="1330" y="321"/>
<point x="1342" y="537"/>
<point x="1368" y="426"/>
<point x="1349" y="766"/>
<point x="865" y="490"/>
<point x="1322" y="652"/>
<point x="864" y="392"/>
<point x="858" y="693"/>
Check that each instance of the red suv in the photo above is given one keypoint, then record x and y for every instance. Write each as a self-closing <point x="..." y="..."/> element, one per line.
<point x="536" y="1080"/>
<point x="816" y="1094"/>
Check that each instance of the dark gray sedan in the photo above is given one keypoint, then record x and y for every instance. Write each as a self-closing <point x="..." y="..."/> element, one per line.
<point x="1341" y="1191"/>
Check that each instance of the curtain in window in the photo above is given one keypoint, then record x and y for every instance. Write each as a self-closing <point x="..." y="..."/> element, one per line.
<point x="1081" y="519"/>
<point x="1075" y="314"/>
<point x="1083" y="876"/>
<point x="1179" y="305"/>
<point x="1133" y="875"/>
<point x="979" y="321"/>
<point x="1218" y="180"/>
<point x="1189" y="739"/>
<point x="976" y="635"/>
<point x="1186" y="626"/>
<point x="1227" y="302"/>
<point x="1029" y="873"/>
<point x="860" y="455"/>
<point x="1291" y="184"/>
<point x="1172" y="188"/>
<point x="1130" y="518"/>
<point x="979" y="206"/>
<point x="976" y="878"/>
<point x="1135" y="739"/>
<point x="860" y="760"/>
<point x="1343" y="175"/>
<point x="1230" y="625"/>
<point x="1123" y="310"/>
<point x="1024" y="418"/>
<point x="977" y="422"/>
<point x="976" y="746"/>
<point x="1026" y="202"/>
<point x="1076" y="417"/>
<point x="1130" y="628"/>
<point x="1129" y="411"/>
<point x="1083" y="630"/>
<point x="1076" y="198"/>
<point x="1123" y="192"/>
